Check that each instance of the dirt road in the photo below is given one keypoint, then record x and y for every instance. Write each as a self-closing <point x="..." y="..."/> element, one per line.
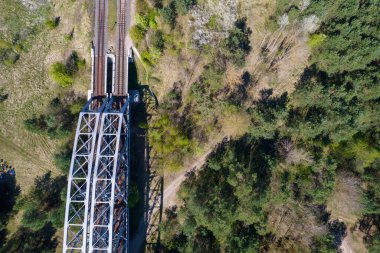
<point x="171" y="189"/>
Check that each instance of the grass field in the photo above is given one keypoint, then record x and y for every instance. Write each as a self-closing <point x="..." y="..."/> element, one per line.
<point x="30" y="89"/>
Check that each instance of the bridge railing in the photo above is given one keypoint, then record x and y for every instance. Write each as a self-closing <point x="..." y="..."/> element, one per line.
<point x="109" y="218"/>
<point x="79" y="181"/>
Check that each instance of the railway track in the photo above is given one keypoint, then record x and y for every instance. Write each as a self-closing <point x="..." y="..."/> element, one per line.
<point x="100" y="47"/>
<point x="121" y="73"/>
<point x="97" y="213"/>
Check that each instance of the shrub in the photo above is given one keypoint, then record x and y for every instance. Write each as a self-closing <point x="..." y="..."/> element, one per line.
<point x="237" y="45"/>
<point x="11" y="58"/>
<point x="59" y="119"/>
<point x="142" y="21"/>
<point x="147" y="58"/>
<point x="169" y="142"/>
<point x="324" y="244"/>
<point x="213" y="78"/>
<point x="316" y="39"/>
<point x="5" y="44"/>
<point x="137" y="34"/>
<point x="133" y="197"/>
<point x="183" y="6"/>
<point x="63" y="159"/>
<point x="168" y="14"/>
<point x="158" y="40"/>
<point x="81" y="63"/>
<point x="375" y="244"/>
<point x="69" y="36"/>
<point x="60" y="75"/>
<point x="152" y="20"/>
<point x="156" y="3"/>
<point x="3" y="95"/>
<point x="33" y="218"/>
<point x="155" y="54"/>
<point x="53" y="23"/>
<point x="36" y="124"/>
<point x="74" y="63"/>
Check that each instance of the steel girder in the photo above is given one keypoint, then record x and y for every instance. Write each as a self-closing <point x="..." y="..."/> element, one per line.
<point x="109" y="219"/>
<point x="79" y="181"/>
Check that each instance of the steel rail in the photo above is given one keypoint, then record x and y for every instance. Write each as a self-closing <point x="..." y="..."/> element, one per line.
<point x="100" y="47"/>
<point x="121" y="77"/>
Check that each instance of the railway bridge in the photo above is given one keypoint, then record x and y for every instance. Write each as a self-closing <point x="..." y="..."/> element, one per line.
<point x="97" y="213"/>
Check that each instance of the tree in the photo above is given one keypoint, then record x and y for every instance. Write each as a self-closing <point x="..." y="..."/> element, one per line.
<point x="169" y="143"/>
<point x="44" y="203"/>
<point x="169" y="14"/>
<point x="237" y="45"/>
<point x="27" y="240"/>
<point x="224" y="202"/>
<point x="60" y="75"/>
<point x="352" y="37"/>
<point x="9" y="191"/>
<point x="183" y="6"/>
<point x="324" y="244"/>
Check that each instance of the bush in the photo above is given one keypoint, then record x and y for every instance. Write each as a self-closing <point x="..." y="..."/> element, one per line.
<point x="237" y="45"/>
<point x="158" y="40"/>
<point x="137" y="34"/>
<point x="58" y="121"/>
<point x="142" y="21"/>
<point x="74" y="63"/>
<point x="3" y="95"/>
<point x="43" y="201"/>
<point x="316" y="39"/>
<point x="213" y="78"/>
<point x="168" y="14"/>
<point x="183" y="6"/>
<point x="63" y="159"/>
<point x="53" y="23"/>
<point x="324" y="244"/>
<point x="27" y="240"/>
<point x="169" y="142"/>
<point x="374" y="246"/>
<point x="152" y="20"/>
<point x="156" y="3"/>
<point x="133" y="197"/>
<point x="33" y="218"/>
<point x="11" y="58"/>
<point x="60" y="75"/>
<point x="5" y="44"/>
<point x="69" y="36"/>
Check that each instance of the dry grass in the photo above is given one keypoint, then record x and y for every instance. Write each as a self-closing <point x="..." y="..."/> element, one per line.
<point x="232" y="76"/>
<point x="293" y="154"/>
<point x="295" y="222"/>
<point x="277" y="57"/>
<point x="353" y="242"/>
<point x="234" y="123"/>
<point x="345" y="204"/>
<point x="30" y="89"/>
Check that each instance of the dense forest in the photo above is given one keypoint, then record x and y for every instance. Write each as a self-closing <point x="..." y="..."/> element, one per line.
<point x="284" y="93"/>
<point x="268" y="188"/>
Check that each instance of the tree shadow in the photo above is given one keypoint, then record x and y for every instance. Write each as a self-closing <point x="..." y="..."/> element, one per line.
<point x="146" y="215"/>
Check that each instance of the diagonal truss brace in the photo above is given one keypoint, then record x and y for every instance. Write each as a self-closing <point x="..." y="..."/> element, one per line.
<point x="109" y="219"/>
<point x="79" y="181"/>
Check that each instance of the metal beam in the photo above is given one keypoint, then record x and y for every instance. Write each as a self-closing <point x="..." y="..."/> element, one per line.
<point x="109" y="219"/>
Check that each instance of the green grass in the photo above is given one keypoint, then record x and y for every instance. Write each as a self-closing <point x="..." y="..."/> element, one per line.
<point x="112" y="15"/>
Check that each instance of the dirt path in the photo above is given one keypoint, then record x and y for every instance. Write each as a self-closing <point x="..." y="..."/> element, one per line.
<point x="170" y="197"/>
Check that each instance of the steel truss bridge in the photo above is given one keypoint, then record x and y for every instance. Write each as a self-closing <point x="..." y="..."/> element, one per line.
<point x="97" y="213"/>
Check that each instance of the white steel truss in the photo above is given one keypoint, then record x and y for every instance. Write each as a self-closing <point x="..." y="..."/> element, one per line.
<point x="109" y="219"/>
<point x="79" y="181"/>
